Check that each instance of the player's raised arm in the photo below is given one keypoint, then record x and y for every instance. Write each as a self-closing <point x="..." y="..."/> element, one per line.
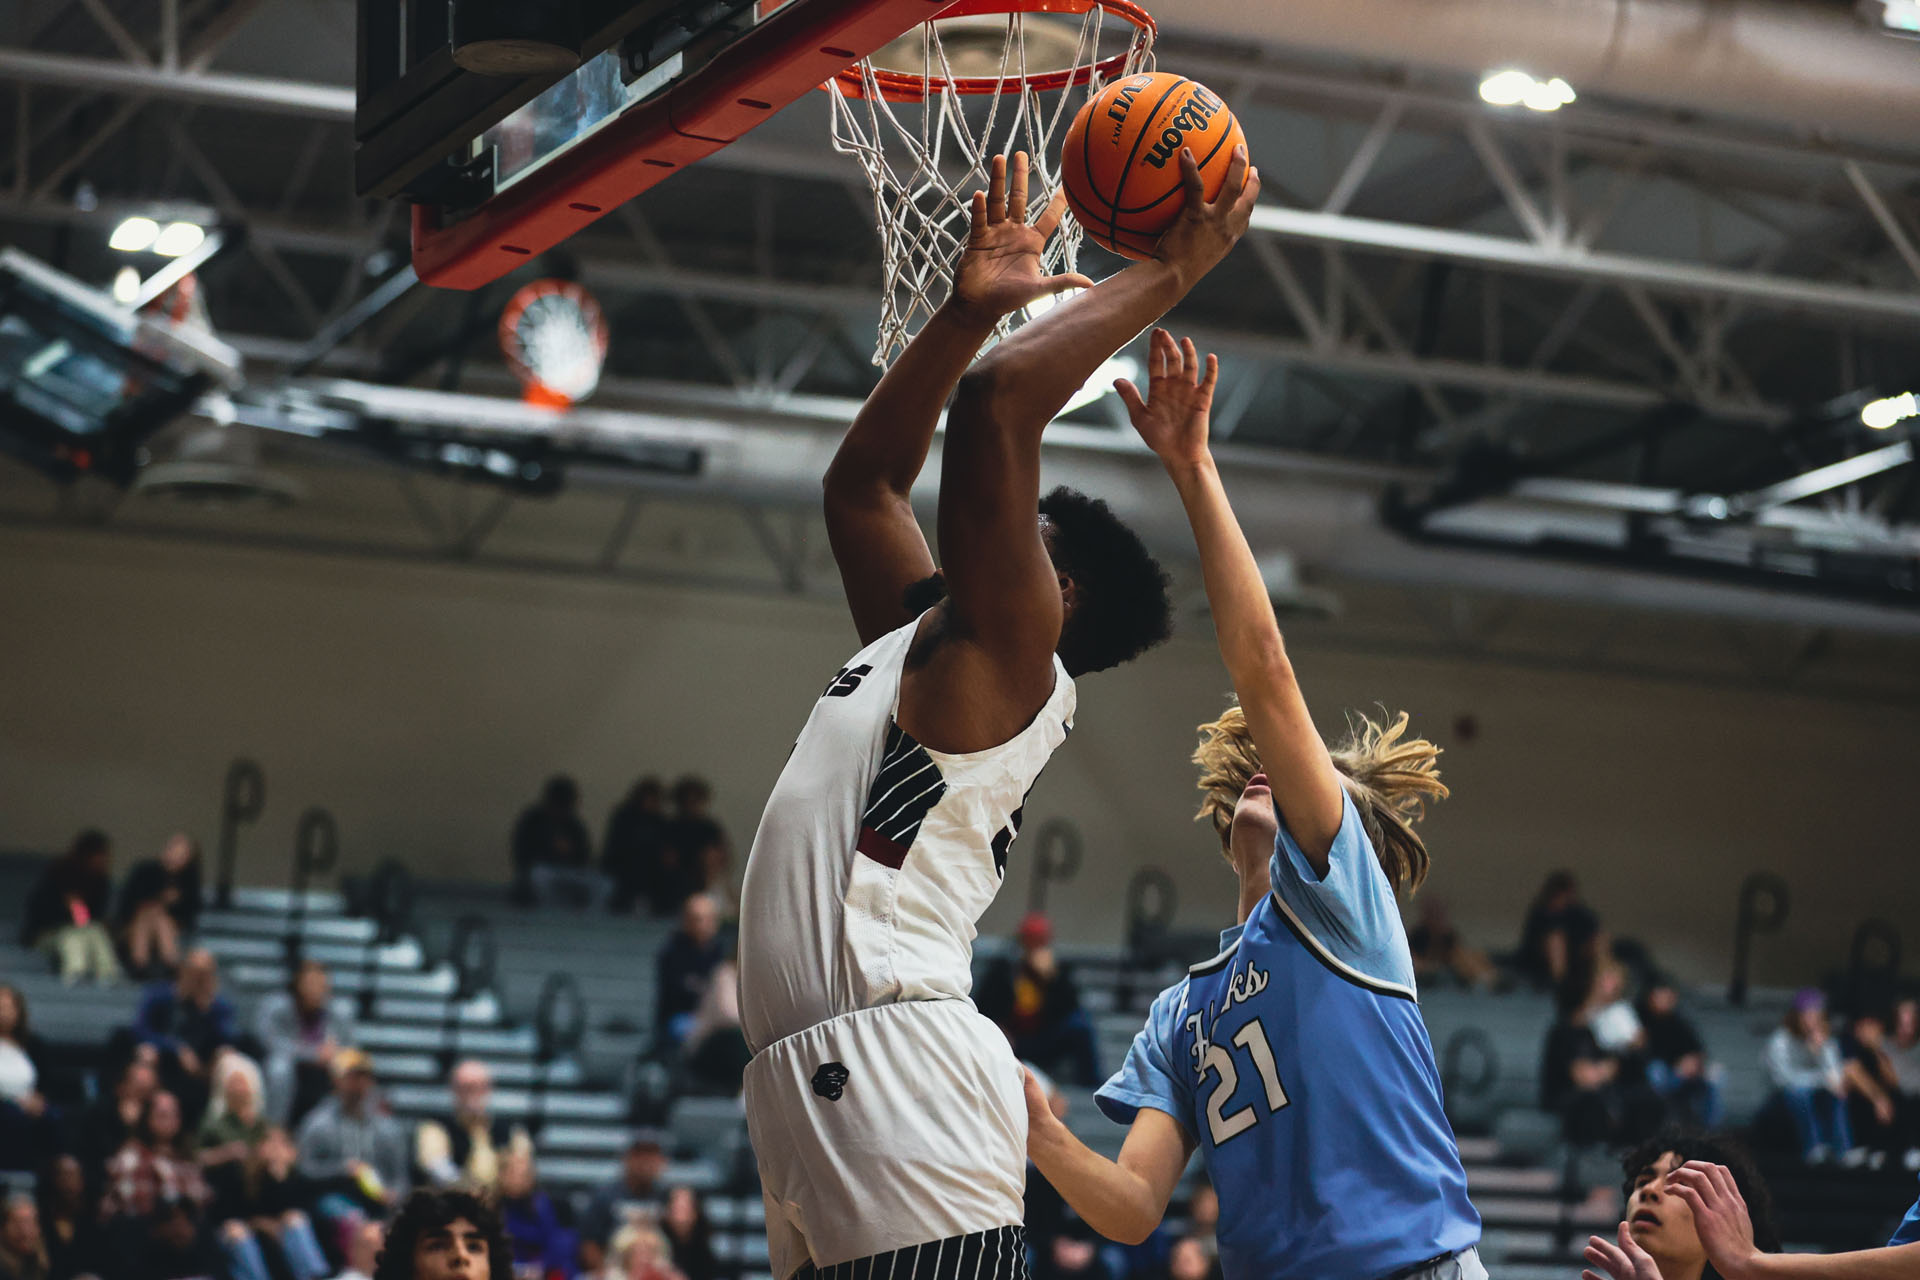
<point x="1174" y="418"/>
<point x="1007" y="597"/>
<point x="1123" y="1200"/>
<point x="876" y="541"/>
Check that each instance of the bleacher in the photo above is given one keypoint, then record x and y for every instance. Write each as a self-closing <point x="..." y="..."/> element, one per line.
<point x="582" y="1085"/>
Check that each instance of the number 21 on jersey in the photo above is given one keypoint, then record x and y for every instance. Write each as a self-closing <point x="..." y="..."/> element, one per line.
<point x="1220" y="1061"/>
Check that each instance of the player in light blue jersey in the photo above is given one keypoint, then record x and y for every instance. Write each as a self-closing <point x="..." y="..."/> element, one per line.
<point x="1295" y="1059"/>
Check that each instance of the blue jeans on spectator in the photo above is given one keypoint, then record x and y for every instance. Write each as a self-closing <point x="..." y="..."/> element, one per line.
<point x="1820" y="1119"/>
<point x="1696" y="1097"/>
<point x="1070" y="1043"/>
<point x="298" y="1245"/>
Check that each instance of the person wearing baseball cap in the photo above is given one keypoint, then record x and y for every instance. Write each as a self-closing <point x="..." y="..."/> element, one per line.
<point x="1037" y="1004"/>
<point x="351" y="1146"/>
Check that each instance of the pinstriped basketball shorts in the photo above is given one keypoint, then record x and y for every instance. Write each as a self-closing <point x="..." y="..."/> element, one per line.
<point x="893" y="1139"/>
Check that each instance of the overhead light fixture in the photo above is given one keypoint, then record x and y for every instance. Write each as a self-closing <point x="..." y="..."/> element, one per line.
<point x="1895" y="17"/>
<point x="1882" y="414"/>
<point x="1101" y="383"/>
<point x="179" y="239"/>
<point x="126" y="286"/>
<point x="1517" y="88"/>
<point x="134" y="235"/>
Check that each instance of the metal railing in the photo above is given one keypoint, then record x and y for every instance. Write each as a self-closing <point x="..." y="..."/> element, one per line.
<point x="316" y="851"/>
<point x="1763" y="909"/>
<point x="1056" y="861"/>
<point x="243" y="797"/>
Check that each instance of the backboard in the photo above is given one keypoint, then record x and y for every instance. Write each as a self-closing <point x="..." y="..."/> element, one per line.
<point x="499" y="168"/>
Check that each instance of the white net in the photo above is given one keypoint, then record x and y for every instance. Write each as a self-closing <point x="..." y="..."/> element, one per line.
<point x="925" y="158"/>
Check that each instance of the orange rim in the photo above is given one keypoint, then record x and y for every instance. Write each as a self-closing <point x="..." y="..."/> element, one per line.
<point x="902" y="86"/>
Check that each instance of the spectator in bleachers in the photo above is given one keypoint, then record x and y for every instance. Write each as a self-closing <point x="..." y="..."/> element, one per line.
<point x="1036" y="1003"/>
<point x="66" y="913"/>
<point x="633" y="854"/>
<point x="300" y="1029"/>
<point x="1677" y="1065"/>
<point x="542" y="1245"/>
<point x="157" y="1199"/>
<point x="233" y="1123"/>
<point x="23" y="1252"/>
<point x="716" y="1052"/>
<point x="1874" y="1106"/>
<point x="363" y="1254"/>
<point x="689" y="1236"/>
<point x="261" y="1206"/>
<point x="636" y="1193"/>
<point x="639" y="1252"/>
<point x="1559" y="929"/>
<point x="70" y="1221"/>
<point x="701" y="859"/>
<point x="1659" y="1237"/>
<point x="187" y="1022"/>
<point x="467" y="1147"/>
<point x="1803" y="1063"/>
<point x="1592" y="1075"/>
<point x="1903" y="1051"/>
<point x="354" y="1151"/>
<point x="1440" y="955"/>
<point x="686" y="966"/>
<point x="1073" y="1254"/>
<point x="1203" y="1216"/>
<point x="446" y="1235"/>
<point x="113" y="1118"/>
<point x="26" y="1122"/>
<point x="159" y="904"/>
<point x="552" y="855"/>
<point x="1190" y="1260"/>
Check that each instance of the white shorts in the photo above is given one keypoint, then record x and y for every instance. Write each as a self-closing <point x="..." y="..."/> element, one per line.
<point x="886" y="1128"/>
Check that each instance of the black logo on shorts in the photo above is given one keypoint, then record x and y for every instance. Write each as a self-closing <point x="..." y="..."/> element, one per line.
<point x="830" y="1081"/>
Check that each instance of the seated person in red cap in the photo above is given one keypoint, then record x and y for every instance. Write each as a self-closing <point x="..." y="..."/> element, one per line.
<point x="1037" y="1005"/>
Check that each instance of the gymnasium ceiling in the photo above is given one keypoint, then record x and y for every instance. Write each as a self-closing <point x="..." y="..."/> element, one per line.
<point x="1578" y="310"/>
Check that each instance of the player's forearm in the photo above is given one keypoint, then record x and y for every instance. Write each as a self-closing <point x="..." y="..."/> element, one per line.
<point x="886" y="447"/>
<point x="1901" y="1263"/>
<point x="1243" y="619"/>
<point x="1116" y="1202"/>
<point x="1035" y="372"/>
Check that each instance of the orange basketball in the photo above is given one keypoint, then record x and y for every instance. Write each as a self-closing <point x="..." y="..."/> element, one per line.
<point x="1121" y="159"/>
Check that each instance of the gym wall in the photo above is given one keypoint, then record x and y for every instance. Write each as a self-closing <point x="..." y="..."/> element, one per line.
<point x="424" y="705"/>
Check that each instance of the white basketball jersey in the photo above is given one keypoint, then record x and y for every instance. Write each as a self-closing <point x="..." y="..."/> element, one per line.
<point x="876" y="856"/>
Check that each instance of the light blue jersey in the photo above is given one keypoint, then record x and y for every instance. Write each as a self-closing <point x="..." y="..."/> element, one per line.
<point x="1909" y="1232"/>
<point x="1298" y="1059"/>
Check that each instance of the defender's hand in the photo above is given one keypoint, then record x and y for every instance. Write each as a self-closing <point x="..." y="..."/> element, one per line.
<point x="1176" y="413"/>
<point x="1720" y="1216"/>
<point x="1204" y="232"/>
<point x="1624" y="1261"/>
<point x="999" y="271"/>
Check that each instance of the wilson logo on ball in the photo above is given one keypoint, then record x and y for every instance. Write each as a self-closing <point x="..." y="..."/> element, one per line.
<point x="1123" y="102"/>
<point x="1193" y="117"/>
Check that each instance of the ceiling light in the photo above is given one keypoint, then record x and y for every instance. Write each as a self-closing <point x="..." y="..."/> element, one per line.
<point x="1881" y="414"/>
<point x="1101" y="383"/>
<point x="1895" y="17"/>
<point x="1516" y="88"/>
<point x="135" y="235"/>
<point x="126" y="286"/>
<point x="178" y="239"/>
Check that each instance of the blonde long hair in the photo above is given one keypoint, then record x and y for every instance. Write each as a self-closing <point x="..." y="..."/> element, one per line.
<point x="1388" y="775"/>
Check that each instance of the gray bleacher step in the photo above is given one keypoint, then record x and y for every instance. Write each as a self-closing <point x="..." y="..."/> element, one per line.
<point x="1513" y="1210"/>
<point x="482" y="1010"/>
<point x="318" y="902"/>
<point x="328" y="928"/>
<point x="425" y="1068"/>
<point x="487" y="1042"/>
<point x="741" y="1247"/>
<point x="585" y="1139"/>
<point x="737" y="1213"/>
<point x="1497" y="1245"/>
<point x="511" y="1103"/>
<point x="1493" y="1180"/>
<point x="584" y="1171"/>
<point x="442" y="981"/>
<point x="1478" y="1150"/>
<point x="229" y="948"/>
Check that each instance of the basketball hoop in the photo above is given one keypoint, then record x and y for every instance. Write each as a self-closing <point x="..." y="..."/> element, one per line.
<point x="555" y="340"/>
<point x="926" y="115"/>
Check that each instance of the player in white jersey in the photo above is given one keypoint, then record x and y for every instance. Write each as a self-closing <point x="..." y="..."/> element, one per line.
<point x="887" y="1114"/>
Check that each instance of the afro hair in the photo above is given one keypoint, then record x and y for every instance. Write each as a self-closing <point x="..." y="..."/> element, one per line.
<point x="1123" y="607"/>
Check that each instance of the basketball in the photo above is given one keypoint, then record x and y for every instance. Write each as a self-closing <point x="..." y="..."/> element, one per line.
<point x="1121" y="159"/>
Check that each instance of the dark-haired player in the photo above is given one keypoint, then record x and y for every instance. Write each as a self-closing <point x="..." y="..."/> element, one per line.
<point x="886" y="1112"/>
<point x="445" y="1235"/>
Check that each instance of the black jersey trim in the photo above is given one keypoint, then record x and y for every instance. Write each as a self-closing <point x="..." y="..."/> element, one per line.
<point x="1218" y="963"/>
<point x="1334" y="965"/>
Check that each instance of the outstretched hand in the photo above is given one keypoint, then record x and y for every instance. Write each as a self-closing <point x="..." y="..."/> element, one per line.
<point x="1206" y="230"/>
<point x="999" y="270"/>
<point x="1719" y="1215"/>
<point x="1623" y="1261"/>
<point x="1175" y="415"/>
